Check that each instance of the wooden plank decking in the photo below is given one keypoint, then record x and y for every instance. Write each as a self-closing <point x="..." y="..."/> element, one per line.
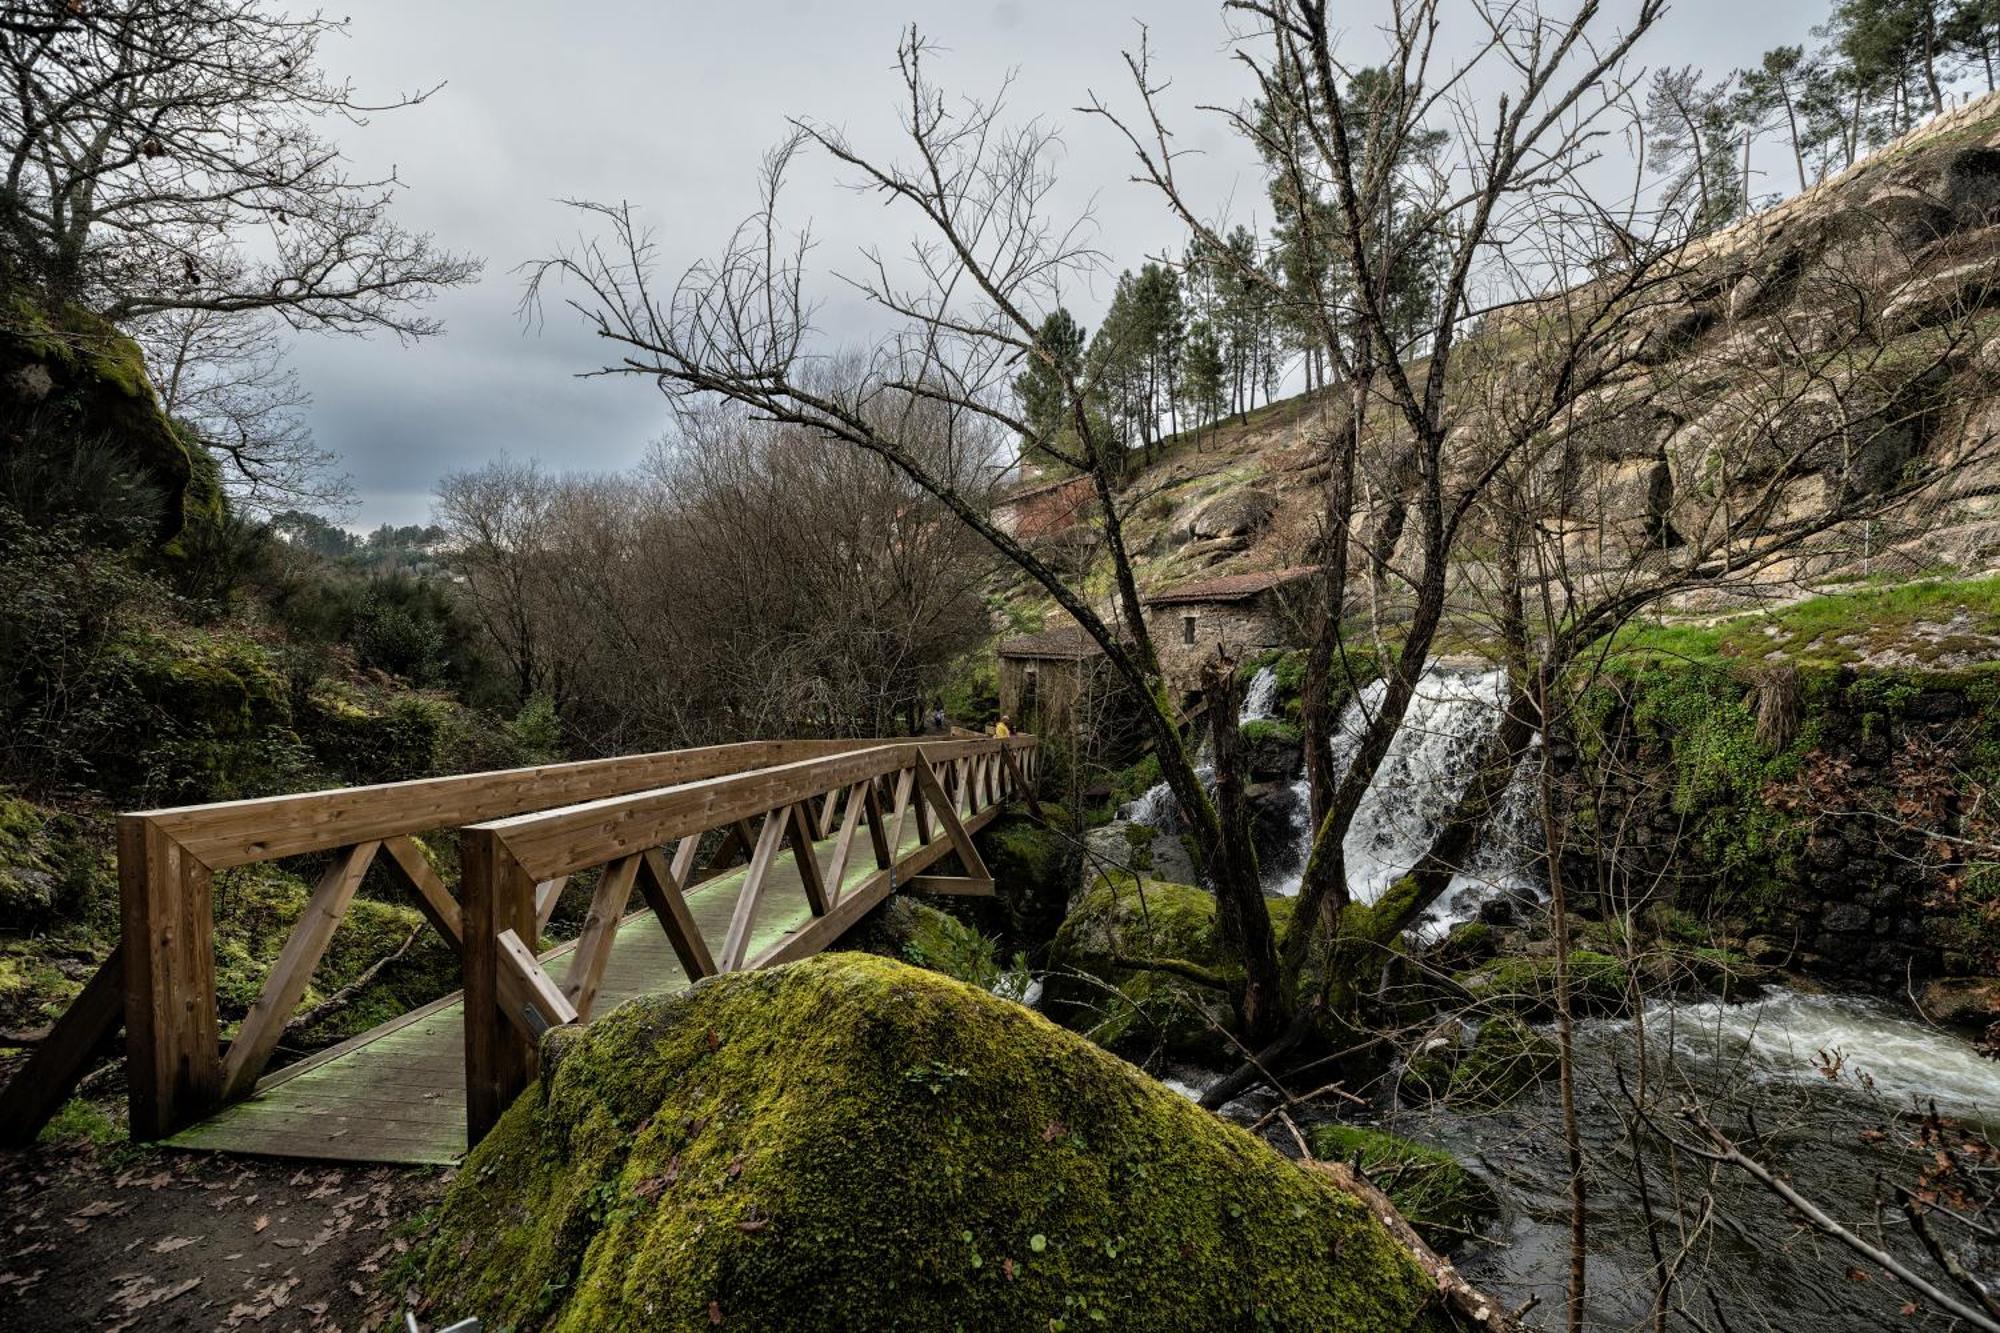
<point x="397" y="1093"/>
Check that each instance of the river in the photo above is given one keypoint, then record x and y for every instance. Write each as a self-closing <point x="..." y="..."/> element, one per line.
<point x="1831" y="1088"/>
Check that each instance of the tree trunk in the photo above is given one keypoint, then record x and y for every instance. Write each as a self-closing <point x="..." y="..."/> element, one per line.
<point x="1242" y="917"/>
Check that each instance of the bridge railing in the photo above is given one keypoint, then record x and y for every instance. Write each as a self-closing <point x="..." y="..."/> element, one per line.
<point x="948" y="788"/>
<point x="159" y="982"/>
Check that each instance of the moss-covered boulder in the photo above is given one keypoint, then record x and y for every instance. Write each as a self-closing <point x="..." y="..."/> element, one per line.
<point x="1035" y="863"/>
<point x="71" y="383"/>
<point x="848" y="1142"/>
<point x="1480" y="1068"/>
<point x="1138" y="965"/>
<point x="1599" y="983"/>
<point x="49" y="868"/>
<point x="915" y="932"/>
<point x="1441" y="1199"/>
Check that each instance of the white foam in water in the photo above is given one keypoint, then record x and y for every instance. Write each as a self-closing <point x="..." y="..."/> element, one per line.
<point x="1260" y="696"/>
<point x="1792" y="1037"/>
<point x="1429" y="764"/>
<point x="1155" y="806"/>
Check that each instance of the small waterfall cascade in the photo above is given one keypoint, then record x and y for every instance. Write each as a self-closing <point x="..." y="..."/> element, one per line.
<point x="1260" y="697"/>
<point x="1428" y="767"/>
<point x="1155" y="806"/>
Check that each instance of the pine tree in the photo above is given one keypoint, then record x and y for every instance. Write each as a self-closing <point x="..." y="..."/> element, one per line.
<point x="1058" y="357"/>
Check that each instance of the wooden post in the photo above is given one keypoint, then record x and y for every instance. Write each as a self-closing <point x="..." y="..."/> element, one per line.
<point x="496" y="895"/>
<point x="172" y="1039"/>
<point x="805" y="853"/>
<point x="1020" y="785"/>
<point x="40" y="1087"/>
<point x="878" y="826"/>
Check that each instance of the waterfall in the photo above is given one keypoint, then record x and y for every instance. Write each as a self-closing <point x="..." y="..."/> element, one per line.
<point x="1430" y="763"/>
<point x="1259" y="697"/>
<point x="1428" y="767"/>
<point x="1155" y="806"/>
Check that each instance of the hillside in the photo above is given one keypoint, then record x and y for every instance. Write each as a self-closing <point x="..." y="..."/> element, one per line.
<point x="1861" y="311"/>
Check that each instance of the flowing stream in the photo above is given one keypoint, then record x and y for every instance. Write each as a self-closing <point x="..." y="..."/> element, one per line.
<point x="1834" y="1086"/>
<point x="1429" y="763"/>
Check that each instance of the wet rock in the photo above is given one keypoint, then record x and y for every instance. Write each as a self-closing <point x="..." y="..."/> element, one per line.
<point x="846" y="1142"/>
<point x="1129" y="845"/>
<point x="1966" y="1001"/>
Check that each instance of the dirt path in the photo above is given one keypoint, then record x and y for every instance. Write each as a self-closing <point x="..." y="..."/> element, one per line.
<point x="124" y="1238"/>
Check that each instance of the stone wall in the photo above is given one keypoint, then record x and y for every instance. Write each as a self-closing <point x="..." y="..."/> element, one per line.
<point x="1851" y="840"/>
<point x="1045" y="510"/>
<point x="1240" y="628"/>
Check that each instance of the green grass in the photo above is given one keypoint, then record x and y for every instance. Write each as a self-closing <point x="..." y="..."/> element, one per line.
<point x="1837" y="628"/>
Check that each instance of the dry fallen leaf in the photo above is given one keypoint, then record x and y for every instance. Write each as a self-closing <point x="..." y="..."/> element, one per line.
<point x="172" y="1243"/>
<point x="264" y="1220"/>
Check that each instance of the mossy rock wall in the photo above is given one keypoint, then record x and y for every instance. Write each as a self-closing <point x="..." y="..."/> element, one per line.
<point x="1125" y="918"/>
<point x="847" y="1142"/>
<point x="1035" y="862"/>
<point x="1807" y="840"/>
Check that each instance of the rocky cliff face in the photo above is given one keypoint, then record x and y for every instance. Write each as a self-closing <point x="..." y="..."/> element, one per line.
<point x="1817" y="351"/>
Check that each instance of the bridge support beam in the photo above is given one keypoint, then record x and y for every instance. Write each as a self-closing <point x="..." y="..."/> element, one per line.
<point x="173" y="1053"/>
<point x="496" y="896"/>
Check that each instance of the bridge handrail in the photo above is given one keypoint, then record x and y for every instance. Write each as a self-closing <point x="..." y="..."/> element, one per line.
<point x="164" y="993"/>
<point x="510" y="1000"/>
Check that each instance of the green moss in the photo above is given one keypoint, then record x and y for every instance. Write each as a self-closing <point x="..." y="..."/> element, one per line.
<point x="50" y="868"/>
<point x="1437" y="1196"/>
<point x="923" y="936"/>
<point x="1124" y="919"/>
<point x="850" y="1143"/>
<point x="1599" y="983"/>
<point x="1035" y="863"/>
<point x="78" y="1123"/>
<point x="1263" y="730"/>
<point x="255" y="909"/>
<point x="1835" y="629"/>
<point x="1502" y="1059"/>
<point x="100" y="392"/>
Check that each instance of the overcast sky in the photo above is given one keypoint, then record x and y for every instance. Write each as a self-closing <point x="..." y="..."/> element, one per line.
<point x="669" y="105"/>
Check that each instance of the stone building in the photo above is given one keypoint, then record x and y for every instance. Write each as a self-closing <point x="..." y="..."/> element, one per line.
<point x="1044" y="508"/>
<point x="1046" y="677"/>
<point x="1240" y="614"/>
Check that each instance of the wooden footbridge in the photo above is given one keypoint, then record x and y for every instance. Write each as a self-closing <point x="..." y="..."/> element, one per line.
<point x="742" y="856"/>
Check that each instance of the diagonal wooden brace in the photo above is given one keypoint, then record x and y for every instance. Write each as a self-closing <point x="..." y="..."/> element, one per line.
<point x="289" y="976"/>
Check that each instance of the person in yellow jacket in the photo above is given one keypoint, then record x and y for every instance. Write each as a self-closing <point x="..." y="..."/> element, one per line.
<point x="1000" y="728"/>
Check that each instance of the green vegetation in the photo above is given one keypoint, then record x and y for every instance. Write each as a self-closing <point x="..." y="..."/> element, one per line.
<point x="1035" y="864"/>
<point x="1270" y="730"/>
<point x="1837" y="628"/>
<point x="1138" y="964"/>
<point x="1437" y="1196"/>
<point x="850" y="1143"/>
<point x="1499" y="1062"/>
<point x="923" y="936"/>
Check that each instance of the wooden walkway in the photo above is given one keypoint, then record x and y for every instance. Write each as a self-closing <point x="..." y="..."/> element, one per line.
<point x="397" y="1093"/>
<point x="825" y="830"/>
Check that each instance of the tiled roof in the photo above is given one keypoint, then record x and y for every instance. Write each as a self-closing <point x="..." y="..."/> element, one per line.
<point x="1229" y="588"/>
<point x="1070" y="643"/>
<point x="1034" y="488"/>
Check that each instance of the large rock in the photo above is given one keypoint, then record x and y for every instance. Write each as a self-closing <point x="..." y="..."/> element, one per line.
<point x="1242" y="512"/>
<point x="1094" y="987"/>
<point x="1138" y="848"/>
<point x="848" y="1143"/>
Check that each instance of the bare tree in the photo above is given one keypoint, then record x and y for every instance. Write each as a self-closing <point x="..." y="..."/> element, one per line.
<point x="225" y="377"/>
<point x="169" y="155"/>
